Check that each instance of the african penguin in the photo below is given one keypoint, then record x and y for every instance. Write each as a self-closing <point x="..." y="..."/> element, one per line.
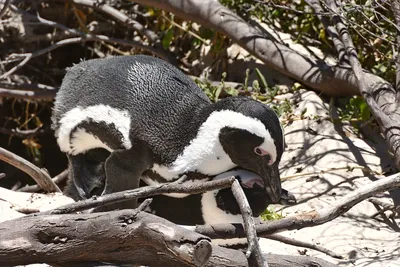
<point x="218" y="206"/>
<point x="156" y="124"/>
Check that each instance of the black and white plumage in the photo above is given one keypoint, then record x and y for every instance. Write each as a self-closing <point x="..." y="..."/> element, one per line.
<point x="218" y="206"/>
<point x="157" y="124"/>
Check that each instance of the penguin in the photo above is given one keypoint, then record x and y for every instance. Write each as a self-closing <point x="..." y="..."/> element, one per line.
<point x="126" y="118"/>
<point x="217" y="206"/>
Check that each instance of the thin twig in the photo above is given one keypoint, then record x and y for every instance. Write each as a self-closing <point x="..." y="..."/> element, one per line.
<point x="254" y="248"/>
<point x="74" y="40"/>
<point x="143" y="206"/>
<point x="316" y="5"/>
<point x="22" y="133"/>
<point x="308" y="219"/>
<point x="395" y="7"/>
<point x="4" y="9"/>
<point x="38" y="95"/>
<point x="381" y="207"/>
<point x="40" y="176"/>
<point x="130" y="23"/>
<point x="122" y="18"/>
<point x="298" y="243"/>
<point x="143" y="192"/>
<point x="56" y="179"/>
<point x="348" y="168"/>
<point x="27" y="86"/>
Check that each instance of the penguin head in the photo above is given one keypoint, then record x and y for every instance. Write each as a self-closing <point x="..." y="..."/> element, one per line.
<point x="254" y="189"/>
<point x="257" y="143"/>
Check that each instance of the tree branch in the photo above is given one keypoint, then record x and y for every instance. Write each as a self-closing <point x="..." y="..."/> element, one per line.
<point x="316" y="5"/>
<point x="143" y="192"/>
<point x="316" y="74"/>
<point x="130" y="23"/>
<point x="107" y="237"/>
<point x="254" y="248"/>
<point x="56" y="179"/>
<point x="395" y="6"/>
<point x="37" y="95"/>
<point x="380" y="98"/>
<point x="40" y="176"/>
<point x="298" y="243"/>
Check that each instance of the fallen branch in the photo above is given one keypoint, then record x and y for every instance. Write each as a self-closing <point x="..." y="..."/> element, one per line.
<point x="56" y="179"/>
<point x="308" y="219"/>
<point x="107" y="237"/>
<point x="298" y="243"/>
<point x="254" y="248"/>
<point x="143" y="192"/>
<point x="332" y="80"/>
<point x="83" y="37"/>
<point x="39" y="175"/>
<point x="40" y="95"/>
<point x="27" y="86"/>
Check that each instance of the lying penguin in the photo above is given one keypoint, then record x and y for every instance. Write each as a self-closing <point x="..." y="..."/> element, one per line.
<point x="157" y="123"/>
<point x="217" y="206"/>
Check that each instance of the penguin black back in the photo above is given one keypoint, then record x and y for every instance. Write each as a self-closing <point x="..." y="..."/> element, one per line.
<point x="141" y="89"/>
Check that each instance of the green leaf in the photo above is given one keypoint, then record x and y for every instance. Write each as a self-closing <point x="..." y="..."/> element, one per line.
<point x="261" y="78"/>
<point x="166" y="41"/>
<point x="365" y="113"/>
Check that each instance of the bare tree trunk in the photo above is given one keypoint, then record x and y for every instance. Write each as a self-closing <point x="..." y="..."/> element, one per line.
<point x="118" y="237"/>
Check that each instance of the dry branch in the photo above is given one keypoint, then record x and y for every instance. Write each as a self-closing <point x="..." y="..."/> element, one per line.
<point x="143" y="192"/>
<point x="332" y="80"/>
<point x="380" y="98"/>
<point x="37" y="95"/>
<point x="254" y="248"/>
<point x="308" y="219"/>
<point x="316" y="5"/>
<point x="395" y="6"/>
<point x="40" y="176"/>
<point x="298" y="243"/>
<point x="108" y="237"/>
<point x="56" y="179"/>
<point x="130" y="23"/>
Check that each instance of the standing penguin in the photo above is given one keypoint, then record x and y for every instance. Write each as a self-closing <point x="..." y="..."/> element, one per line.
<point x="123" y="118"/>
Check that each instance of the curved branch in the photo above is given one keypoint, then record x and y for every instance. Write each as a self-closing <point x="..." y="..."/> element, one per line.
<point x="298" y="243"/>
<point x="143" y="192"/>
<point x="39" y="175"/>
<point x="332" y="80"/>
<point x="56" y="179"/>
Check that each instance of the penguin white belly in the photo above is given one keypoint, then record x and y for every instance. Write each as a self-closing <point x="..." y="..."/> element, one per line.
<point x="212" y="214"/>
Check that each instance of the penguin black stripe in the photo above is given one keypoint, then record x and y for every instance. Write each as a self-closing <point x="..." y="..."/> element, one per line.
<point x="160" y="120"/>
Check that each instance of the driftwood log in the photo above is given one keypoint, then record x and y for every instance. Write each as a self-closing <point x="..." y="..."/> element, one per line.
<point x="119" y="237"/>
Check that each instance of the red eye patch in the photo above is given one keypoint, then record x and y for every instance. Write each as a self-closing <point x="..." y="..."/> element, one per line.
<point x="261" y="152"/>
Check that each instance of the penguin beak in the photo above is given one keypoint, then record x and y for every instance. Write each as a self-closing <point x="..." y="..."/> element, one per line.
<point x="272" y="181"/>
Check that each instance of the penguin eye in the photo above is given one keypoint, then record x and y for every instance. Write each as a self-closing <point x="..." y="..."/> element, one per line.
<point x="259" y="151"/>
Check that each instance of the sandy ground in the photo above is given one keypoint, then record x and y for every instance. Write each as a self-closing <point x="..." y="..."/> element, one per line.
<point x="315" y="146"/>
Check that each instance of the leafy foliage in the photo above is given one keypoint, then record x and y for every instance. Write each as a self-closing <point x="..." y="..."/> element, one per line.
<point x="271" y="215"/>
